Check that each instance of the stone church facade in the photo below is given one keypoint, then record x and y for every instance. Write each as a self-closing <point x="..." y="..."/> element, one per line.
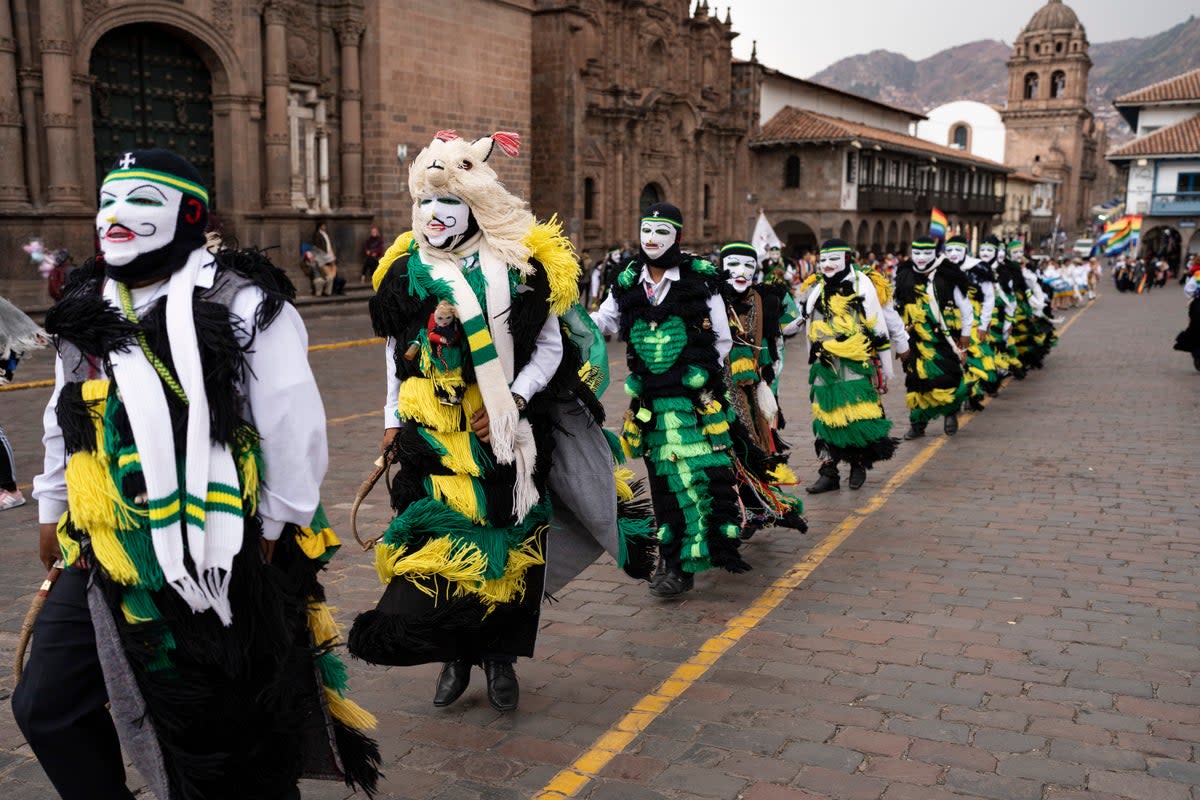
<point x="636" y="102"/>
<point x="293" y="110"/>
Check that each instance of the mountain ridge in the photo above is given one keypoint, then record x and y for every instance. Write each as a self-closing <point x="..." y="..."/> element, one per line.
<point x="977" y="71"/>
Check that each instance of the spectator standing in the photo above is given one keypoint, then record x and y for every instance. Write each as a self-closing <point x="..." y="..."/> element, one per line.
<point x="372" y="252"/>
<point x="326" y="258"/>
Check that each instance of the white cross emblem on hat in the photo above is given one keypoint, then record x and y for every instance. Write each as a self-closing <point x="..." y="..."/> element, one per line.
<point x="127" y="161"/>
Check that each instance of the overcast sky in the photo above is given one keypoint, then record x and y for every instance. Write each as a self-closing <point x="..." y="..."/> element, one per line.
<point x="802" y="37"/>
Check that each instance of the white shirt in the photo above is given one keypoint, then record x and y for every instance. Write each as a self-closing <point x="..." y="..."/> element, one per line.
<point x="279" y="397"/>
<point x="533" y="377"/>
<point x="608" y="316"/>
<point x="964" y="311"/>
<point x="1037" y="298"/>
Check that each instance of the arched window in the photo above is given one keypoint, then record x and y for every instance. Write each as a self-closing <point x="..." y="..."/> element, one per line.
<point x="960" y="136"/>
<point x="153" y="90"/>
<point x="651" y="194"/>
<point x="589" y="198"/>
<point x="791" y="172"/>
<point x="1058" y="84"/>
<point x="1031" y="85"/>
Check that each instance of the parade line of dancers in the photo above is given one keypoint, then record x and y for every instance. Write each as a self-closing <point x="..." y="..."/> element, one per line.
<point x="186" y="446"/>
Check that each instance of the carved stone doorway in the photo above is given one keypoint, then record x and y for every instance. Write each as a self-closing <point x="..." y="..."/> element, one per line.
<point x="151" y="90"/>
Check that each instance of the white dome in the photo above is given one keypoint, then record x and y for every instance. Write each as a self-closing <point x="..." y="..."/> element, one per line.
<point x="984" y="128"/>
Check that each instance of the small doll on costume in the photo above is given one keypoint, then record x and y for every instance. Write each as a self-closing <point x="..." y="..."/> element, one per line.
<point x="444" y="332"/>
<point x="500" y="438"/>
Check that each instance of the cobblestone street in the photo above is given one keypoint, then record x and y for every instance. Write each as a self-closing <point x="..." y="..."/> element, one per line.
<point x="1008" y="614"/>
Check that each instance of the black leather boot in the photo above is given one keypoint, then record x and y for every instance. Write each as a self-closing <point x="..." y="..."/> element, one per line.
<point x="915" y="430"/>
<point x="950" y="425"/>
<point x="502" y="687"/>
<point x="672" y="583"/>
<point x="858" y="476"/>
<point x="828" y="479"/>
<point x="452" y="682"/>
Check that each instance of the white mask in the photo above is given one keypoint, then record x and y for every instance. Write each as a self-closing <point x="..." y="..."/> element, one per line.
<point x="956" y="253"/>
<point x="135" y="217"/>
<point x="741" y="269"/>
<point x="987" y="252"/>
<point x="831" y="264"/>
<point x="657" y="238"/>
<point x="773" y="253"/>
<point x="923" y="259"/>
<point x="443" y="218"/>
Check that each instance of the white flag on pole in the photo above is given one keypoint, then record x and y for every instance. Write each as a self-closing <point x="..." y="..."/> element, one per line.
<point x="764" y="236"/>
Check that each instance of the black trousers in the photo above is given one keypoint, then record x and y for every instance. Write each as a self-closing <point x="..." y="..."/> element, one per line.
<point x="60" y="702"/>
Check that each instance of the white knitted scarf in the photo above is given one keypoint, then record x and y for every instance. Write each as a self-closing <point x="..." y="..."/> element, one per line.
<point x="208" y="510"/>
<point x="511" y="437"/>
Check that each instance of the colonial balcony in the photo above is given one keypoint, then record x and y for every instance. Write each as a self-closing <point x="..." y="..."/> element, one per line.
<point x="1179" y="204"/>
<point x="953" y="203"/>
<point x="897" y="198"/>
<point x="886" y="198"/>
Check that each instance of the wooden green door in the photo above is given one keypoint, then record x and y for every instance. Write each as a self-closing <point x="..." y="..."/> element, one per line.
<point x="151" y="90"/>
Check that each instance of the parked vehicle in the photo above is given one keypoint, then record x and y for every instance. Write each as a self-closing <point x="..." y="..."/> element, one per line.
<point x="1083" y="248"/>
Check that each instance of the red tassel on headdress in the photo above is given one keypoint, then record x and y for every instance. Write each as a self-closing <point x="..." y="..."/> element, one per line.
<point x="446" y="136"/>
<point x="510" y="143"/>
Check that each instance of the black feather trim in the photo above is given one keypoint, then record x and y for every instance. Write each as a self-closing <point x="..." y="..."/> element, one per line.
<point x="409" y="628"/>
<point x="254" y="266"/>
<point x="75" y="418"/>
<point x="360" y="758"/>
<point x="641" y="552"/>
<point x="222" y="358"/>
<point x="86" y="321"/>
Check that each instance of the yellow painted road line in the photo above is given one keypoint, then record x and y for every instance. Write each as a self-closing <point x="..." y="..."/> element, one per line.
<point x="568" y="782"/>
<point x="316" y="348"/>
<point x="16" y="387"/>
<point x="339" y="420"/>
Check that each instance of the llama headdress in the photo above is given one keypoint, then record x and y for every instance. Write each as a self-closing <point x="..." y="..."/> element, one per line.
<point x="451" y="165"/>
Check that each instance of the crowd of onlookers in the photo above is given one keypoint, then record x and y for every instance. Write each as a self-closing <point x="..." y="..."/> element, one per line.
<point x="1143" y="274"/>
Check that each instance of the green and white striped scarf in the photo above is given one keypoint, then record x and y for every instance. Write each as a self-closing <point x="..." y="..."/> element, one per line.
<point x="207" y="510"/>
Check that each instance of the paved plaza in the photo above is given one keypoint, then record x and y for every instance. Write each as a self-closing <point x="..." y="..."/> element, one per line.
<point x="1009" y="614"/>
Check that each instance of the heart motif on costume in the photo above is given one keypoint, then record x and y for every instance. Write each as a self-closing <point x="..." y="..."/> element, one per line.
<point x="659" y="344"/>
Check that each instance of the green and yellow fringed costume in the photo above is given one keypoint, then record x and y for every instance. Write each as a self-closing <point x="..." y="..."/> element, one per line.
<point x="981" y="367"/>
<point x="464" y="574"/>
<point x="1032" y="335"/>
<point x="679" y="420"/>
<point x="1005" y="355"/>
<point x="755" y="317"/>
<point x="231" y="706"/>
<point x="933" y="378"/>
<point x="848" y="419"/>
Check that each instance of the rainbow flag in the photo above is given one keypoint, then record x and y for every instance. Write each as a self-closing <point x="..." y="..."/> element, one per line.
<point x="937" y="224"/>
<point x="1120" y="235"/>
